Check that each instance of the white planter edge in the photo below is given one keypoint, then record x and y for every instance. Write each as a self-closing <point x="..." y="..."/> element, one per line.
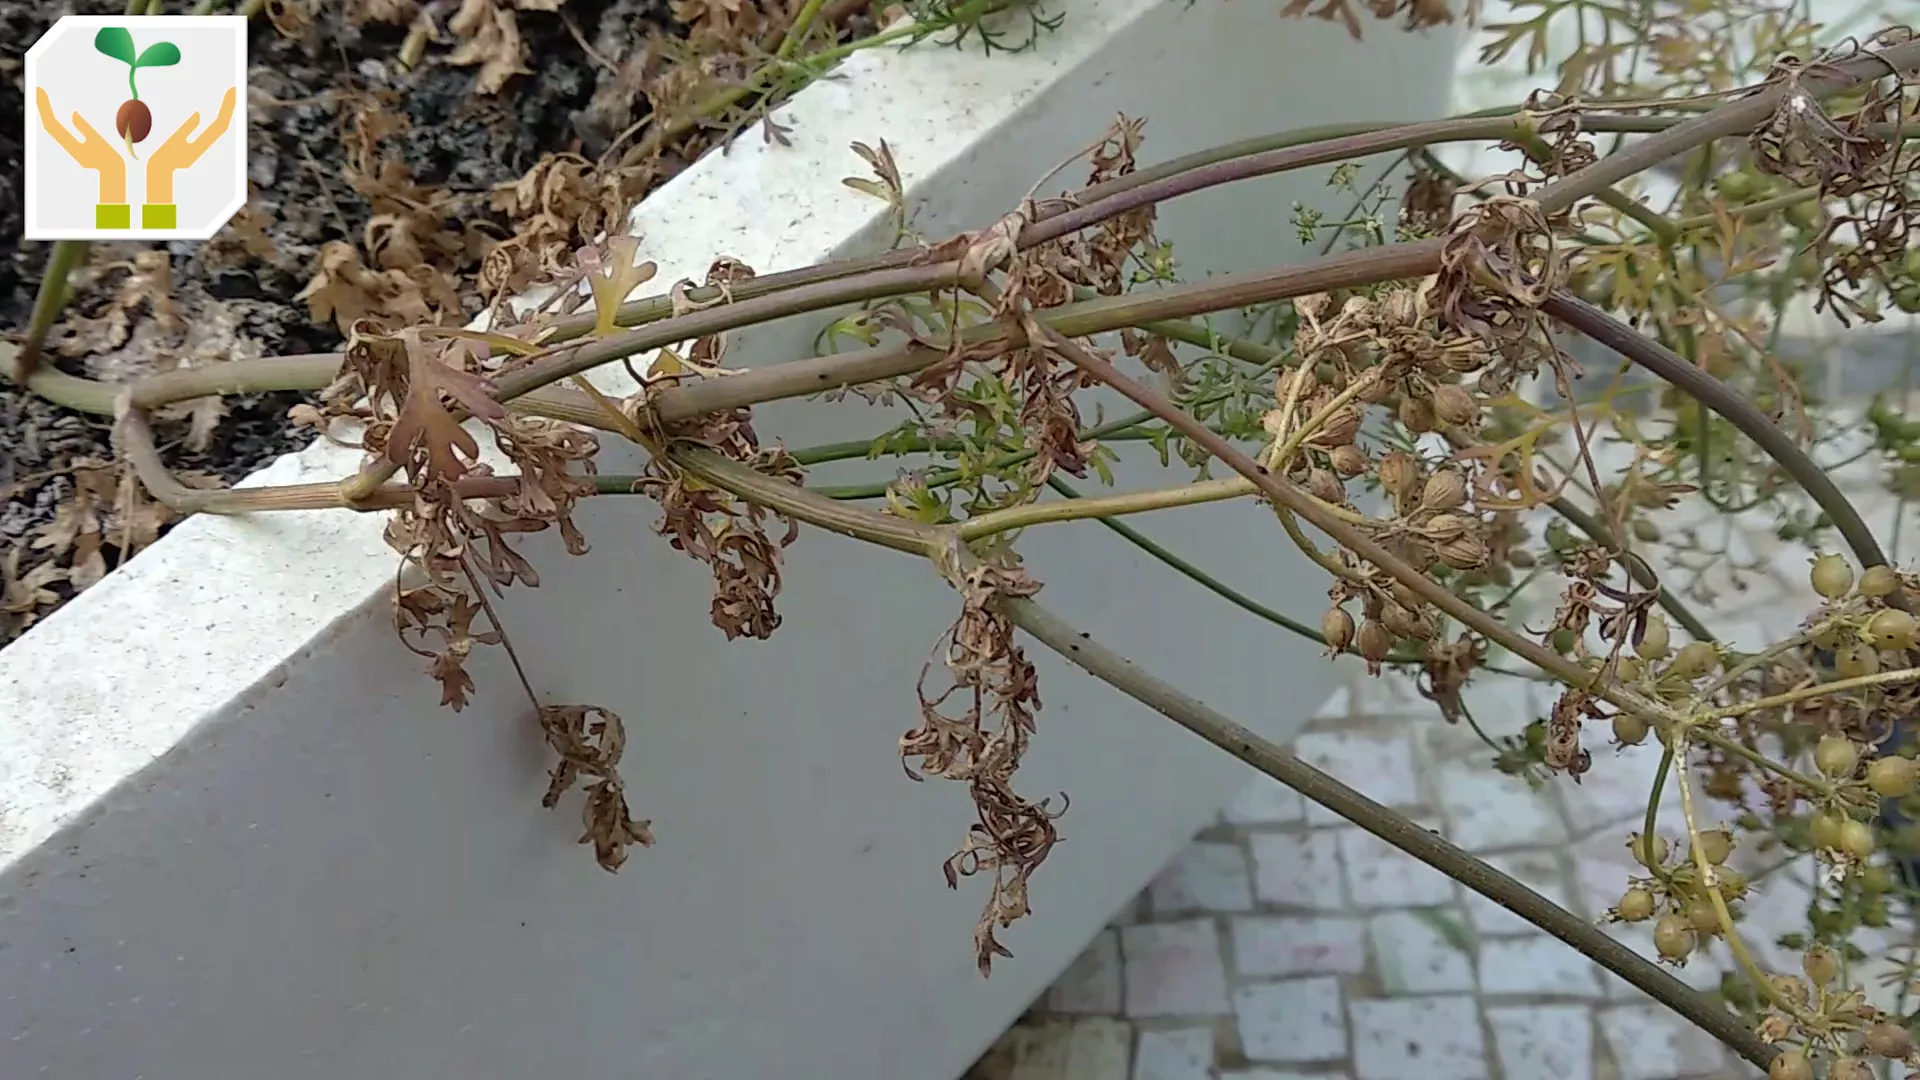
<point x="156" y="725"/>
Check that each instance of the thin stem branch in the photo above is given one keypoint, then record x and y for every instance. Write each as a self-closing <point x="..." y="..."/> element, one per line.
<point x="1079" y="649"/>
<point x="1805" y="693"/>
<point x="1696" y="383"/>
<point x="807" y="506"/>
<point x="1293" y="150"/>
<point x="1234" y="596"/>
<point x="1201" y="577"/>
<point x="1760" y="761"/>
<point x="995" y="522"/>
<point x="1710" y="881"/>
<point x="801" y="26"/>
<point x="1777" y="649"/>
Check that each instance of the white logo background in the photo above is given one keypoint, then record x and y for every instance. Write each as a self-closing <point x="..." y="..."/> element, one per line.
<point x="61" y="194"/>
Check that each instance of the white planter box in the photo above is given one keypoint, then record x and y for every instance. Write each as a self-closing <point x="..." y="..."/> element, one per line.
<point x="238" y="836"/>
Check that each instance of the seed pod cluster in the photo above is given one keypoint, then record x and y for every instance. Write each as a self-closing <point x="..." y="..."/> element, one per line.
<point x="1387" y="352"/>
<point x="1391" y="614"/>
<point x="1433" y="513"/>
<point x="1863" y="627"/>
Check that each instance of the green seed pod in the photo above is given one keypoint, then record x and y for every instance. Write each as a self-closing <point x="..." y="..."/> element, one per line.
<point x="1693" y="661"/>
<point x="1820" y="965"/>
<point x="1880" y="581"/>
<point x="1654" y="642"/>
<point x="1835" y="756"/>
<point x="1717" y="844"/>
<point x="1629" y="728"/>
<point x="1830" y="576"/>
<point x="1703" y="917"/>
<point x="1856" y="661"/>
<point x="1893" y="777"/>
<point x="1673" y="938"/>
<point x="1737" y="186"/>
<point x="1825" y="828"/>
<point x="1877" y="879"/>
<point x="1856" y="839"/>
<point x="1892" y="629"/>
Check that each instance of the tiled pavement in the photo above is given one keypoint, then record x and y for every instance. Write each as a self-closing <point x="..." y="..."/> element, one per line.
<point x="1285" y="944"/>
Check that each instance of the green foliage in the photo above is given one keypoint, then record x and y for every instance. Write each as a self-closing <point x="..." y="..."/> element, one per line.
<point x="117" y="42"/>
<point x="158" y="54"/>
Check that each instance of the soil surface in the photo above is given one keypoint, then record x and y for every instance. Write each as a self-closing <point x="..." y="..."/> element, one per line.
<point x="235" y="297"/>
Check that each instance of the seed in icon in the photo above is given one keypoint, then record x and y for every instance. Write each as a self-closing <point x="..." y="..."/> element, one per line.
<point x="134" y="120"/>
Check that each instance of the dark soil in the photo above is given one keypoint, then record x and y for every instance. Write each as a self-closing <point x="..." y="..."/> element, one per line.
<point x="233" y="303"/>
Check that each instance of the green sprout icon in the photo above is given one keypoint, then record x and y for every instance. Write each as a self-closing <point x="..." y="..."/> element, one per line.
<point x="134" y="121"/>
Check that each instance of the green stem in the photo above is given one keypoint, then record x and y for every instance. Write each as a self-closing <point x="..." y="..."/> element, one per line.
<point x="1201" y="577"/>
<point x="1647" y="832"/>
<point x="1758" y="760"/>
<point x="854" y="449"/>
<point x="62" y="261"/>
<point x="1132" y="431"/>
<point x="802" y="24"/>
<point x="1209" y="582"/>
<point x="1749" y="212"/>
<point x="1010" y="518"/>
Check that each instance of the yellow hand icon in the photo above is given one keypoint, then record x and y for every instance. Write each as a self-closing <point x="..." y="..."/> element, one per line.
<point x="182" y="149"/>
<point x="89" y="150"/>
